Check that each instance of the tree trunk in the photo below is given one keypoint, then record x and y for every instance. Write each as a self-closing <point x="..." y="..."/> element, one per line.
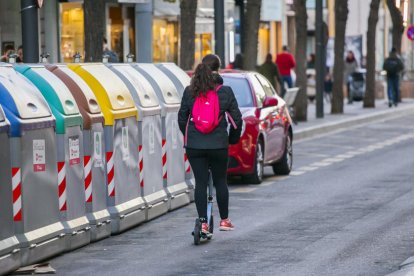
<point x="94" y="26"/>
<point x="301" y="103"/>
<point x="341" y="16"/>
<point x="251" y="32"/>
<point x="397" y="24"/>
<point x="369" y="98"/>
<point x="187" y="33"/>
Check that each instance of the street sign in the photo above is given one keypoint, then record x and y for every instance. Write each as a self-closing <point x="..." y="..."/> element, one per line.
<point x="410" y="32"/>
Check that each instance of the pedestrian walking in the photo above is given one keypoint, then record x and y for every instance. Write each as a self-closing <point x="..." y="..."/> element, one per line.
<point x="237" y="64"/>
<point x="271" y="72"/>
<point x="209" y="151"/>
<point x="286" y="62"/>
<point x="113" y="57"/>
<point x="350" y="66"/>
<point x="310" y="64"/>
<point x="393" y="65"/>
<point x="9" y="49"/>
<point x="19" y="58"/>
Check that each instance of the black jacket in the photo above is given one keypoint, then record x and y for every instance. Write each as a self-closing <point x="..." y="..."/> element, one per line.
<point x="218" y="138"/>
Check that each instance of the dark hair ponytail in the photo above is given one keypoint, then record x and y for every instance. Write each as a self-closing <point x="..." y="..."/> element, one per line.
<point x="202" y="80"/>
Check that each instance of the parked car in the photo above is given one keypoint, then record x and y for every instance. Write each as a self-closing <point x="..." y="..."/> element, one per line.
<point x="267" y="131"/>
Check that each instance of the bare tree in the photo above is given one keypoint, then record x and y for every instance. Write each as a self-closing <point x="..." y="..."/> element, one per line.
<point x="94" y="26"/>
<point x="187" y="33"/>
<point x="397" y="24"/>
<point x="301" y="17"/>
<point x="251" y="32"/>
<point x="369" y="98"/>
<point x="341" y="16"/>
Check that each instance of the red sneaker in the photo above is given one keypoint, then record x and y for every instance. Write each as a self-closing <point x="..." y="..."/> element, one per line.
<point x="205" y="228"/>
<point x="226" y="225"/>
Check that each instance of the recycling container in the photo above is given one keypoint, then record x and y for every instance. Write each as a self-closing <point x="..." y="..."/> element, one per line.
<point x="181" y="80"/>
<point x="149" y="133"/>
<point x="93" y="147"/>
<point x="173" y="149"/>
<point x="125" y="204"/>
<point x="69" y="141"/>
<point x="9" y="245"/>
<point x="34" y="168"/>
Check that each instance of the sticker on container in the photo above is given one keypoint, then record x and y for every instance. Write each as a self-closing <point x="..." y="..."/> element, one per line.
<point x="39" y="155"/>
<point x="97" y="150"/>
<point x="151" y="138"/>
<point x="174" y="134"/>
<point x="74" y="151"/>
<point x="125" y="143"/>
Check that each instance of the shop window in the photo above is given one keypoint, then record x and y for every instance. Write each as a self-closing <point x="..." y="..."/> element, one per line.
<point x="165" y="40"/>
<point x="203" y="46"/>
<point x="72" y="31"/>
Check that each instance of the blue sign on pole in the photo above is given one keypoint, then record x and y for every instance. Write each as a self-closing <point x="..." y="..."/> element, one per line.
<point x="410" y="32"/>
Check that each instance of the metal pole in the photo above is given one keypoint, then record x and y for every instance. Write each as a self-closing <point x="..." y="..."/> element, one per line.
<point x="219" y="29"/>
<point x="30" y="31"/>
<point x="241" y="25"/>
<point x="320" y="60"/>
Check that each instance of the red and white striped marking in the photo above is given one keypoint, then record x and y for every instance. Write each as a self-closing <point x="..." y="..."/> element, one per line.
<point x="186" y="163"/>
<point x="110" y="173"/>
<point x="164" y="159"/>
<point x="17" y="194"/>
<point x="141" y="166"/>
<point x="62" y="185"/>
<point x="87" y="168"/>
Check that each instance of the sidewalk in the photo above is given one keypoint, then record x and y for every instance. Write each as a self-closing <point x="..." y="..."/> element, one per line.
<point x="353" y="115"/>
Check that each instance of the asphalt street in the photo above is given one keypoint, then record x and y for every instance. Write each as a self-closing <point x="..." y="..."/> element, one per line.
<point x="346" y="209"/>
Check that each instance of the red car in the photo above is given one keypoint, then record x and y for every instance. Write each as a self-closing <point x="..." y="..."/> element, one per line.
<point x="267" y="131"/>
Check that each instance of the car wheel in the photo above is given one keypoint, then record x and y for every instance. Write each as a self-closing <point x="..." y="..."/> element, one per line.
<point x="284" y="165"/>
<point x="257" y="176"/>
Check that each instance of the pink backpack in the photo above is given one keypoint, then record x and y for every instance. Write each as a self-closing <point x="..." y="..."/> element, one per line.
<point x="205" y="114"/>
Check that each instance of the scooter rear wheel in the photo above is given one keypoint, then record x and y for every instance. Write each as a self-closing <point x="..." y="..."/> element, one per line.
<point x="197" y="231"/>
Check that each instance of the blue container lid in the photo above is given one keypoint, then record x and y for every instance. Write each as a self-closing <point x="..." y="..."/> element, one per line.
<point x="23" y="104"/>
<point x="4" y="124"/>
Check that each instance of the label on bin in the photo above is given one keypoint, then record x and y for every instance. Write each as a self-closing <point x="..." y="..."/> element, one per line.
<point x="174" y="134"/>
<point x="97" y="150"/>
<point x="151" y="139"/>
<point x="125" y="143"/>
<point x="39" y="155"/>
<point x="74" y="151"/>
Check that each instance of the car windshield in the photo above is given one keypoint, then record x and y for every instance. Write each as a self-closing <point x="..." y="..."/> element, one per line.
<point x="241" y="89"/>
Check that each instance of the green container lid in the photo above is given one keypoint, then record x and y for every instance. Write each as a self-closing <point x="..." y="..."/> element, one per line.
<point x="57" y="95"/>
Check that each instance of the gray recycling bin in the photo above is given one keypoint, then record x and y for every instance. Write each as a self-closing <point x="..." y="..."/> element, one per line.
<point x="149" y="133"/>
<point x="94" y="147"/>
<point x="172" y="144"/>
<point x="69" y="141"/>
<point x="34" y="168"/>
<point x="181" y="80"/>
<point x="125" y="203"/>
<point x="9" y="245"/>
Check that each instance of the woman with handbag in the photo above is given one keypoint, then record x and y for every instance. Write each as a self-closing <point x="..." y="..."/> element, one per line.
<point x="207" y="141"/>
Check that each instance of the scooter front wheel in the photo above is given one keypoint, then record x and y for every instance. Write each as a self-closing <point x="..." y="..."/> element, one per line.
<point x="197" y="232"/>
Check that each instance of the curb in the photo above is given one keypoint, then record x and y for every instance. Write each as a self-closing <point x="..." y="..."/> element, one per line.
<point x="357" y="120"/>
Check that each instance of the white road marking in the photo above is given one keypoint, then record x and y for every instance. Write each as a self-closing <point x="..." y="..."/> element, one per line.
<point x="321" y="164"/>
<point x="243" y="190"/>
<point x="296" y="173"/>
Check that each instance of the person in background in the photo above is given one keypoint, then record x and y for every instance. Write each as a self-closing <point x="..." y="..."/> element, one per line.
<point x="210" y="150"/>
<point x="393" y="65"/>
<point x="19" y="54"/>
<point x="112" y="55"/>
<point x="271" y="72"/>
<point x="350" y="66"/>
<point x="237" y="64"/>
<point x="286" y="62"/>
<point x="7" y="50"/>
<point x="311" y="62"/>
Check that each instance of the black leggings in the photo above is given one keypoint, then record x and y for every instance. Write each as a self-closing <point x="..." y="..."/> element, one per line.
<point x="200" y="161"/>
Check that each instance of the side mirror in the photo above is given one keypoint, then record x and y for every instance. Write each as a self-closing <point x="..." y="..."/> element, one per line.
<point x="270" y="101"/>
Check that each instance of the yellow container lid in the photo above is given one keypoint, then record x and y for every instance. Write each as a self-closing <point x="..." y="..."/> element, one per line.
<point x="112" y="94"/>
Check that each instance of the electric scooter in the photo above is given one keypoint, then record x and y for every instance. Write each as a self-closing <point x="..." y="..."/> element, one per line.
<point x="197" y="233"/>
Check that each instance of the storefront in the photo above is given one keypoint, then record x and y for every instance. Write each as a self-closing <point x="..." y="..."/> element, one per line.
<point x="165" y="40"/>
<point x="72" y="36"/>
